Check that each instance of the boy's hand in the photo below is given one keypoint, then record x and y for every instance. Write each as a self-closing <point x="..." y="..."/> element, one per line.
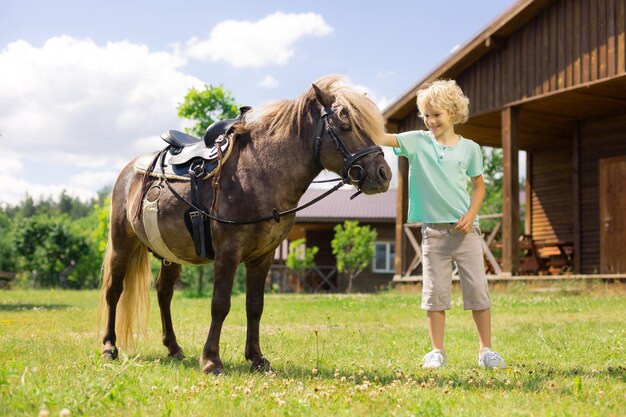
<point x="465" y="223"/>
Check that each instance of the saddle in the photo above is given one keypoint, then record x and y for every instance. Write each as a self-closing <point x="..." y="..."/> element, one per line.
<point x="191" y="159"/>
<point x="186" y="150"/>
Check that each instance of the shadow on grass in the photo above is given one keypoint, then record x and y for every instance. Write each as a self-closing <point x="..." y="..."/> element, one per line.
<point x="188" y="362"/>
<point x="530" y="379"/>
<point x="32" y="307"/>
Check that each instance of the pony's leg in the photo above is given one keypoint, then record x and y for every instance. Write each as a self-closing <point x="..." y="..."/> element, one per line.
<point x="225" y="269"/>
<point x="255" y="291"/>
<point x="165" y="290"/>
<point x="113" y="293"/>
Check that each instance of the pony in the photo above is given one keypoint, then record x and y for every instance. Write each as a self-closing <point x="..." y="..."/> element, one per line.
<point x="275" y="156"/>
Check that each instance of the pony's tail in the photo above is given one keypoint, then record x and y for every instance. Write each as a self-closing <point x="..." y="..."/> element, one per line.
<point x="134" y="304"/>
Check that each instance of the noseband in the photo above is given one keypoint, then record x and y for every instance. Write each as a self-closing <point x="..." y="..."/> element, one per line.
<point x="353" y="173"/>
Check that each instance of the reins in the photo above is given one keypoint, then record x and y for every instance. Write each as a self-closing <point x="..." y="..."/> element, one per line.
<point x="348" y="178"/>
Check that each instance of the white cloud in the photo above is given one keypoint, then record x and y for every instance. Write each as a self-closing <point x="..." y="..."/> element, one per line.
<point x="383" y="103"/>
<point x="93" y="179"/>
<point x="269" y="82"/>
<point x="269" y="41"/>
<point x="9" y="162"/>
<point x="14" y="190"/>
<point x="74" y="96"/>
<point x="72" y="103"/>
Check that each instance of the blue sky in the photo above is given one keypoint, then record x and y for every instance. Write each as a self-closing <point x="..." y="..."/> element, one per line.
<point x="85" y="86"/>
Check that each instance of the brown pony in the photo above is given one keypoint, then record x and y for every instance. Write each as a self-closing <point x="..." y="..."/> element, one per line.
<point x="275" y="156"/>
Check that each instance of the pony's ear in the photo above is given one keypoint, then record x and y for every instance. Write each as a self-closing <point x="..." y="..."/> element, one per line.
<point x="325" y="99"/>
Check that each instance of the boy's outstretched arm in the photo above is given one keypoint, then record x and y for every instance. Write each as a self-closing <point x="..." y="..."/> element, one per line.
<point x="387" y="139"/>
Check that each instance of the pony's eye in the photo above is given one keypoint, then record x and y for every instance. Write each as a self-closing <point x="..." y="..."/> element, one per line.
<point x="344" y="120"/>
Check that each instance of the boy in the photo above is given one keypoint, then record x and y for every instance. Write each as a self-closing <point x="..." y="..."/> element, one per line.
<point x="440" y="162"/>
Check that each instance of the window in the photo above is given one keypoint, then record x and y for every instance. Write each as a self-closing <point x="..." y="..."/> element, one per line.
<point x="384" y="257"/>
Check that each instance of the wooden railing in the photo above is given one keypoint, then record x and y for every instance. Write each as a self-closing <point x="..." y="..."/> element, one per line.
<point x="489" y="242"/>
<point x="321" y="278"/>
<point x="542" y="257"/>
<point x="6" y="279"/>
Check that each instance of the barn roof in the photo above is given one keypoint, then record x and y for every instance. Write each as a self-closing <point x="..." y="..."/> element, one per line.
<point x="510" y="21"/>
<point x="338" y="207"/>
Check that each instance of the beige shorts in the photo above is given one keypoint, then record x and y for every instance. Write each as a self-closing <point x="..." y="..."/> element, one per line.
<point x="442" y="244"/>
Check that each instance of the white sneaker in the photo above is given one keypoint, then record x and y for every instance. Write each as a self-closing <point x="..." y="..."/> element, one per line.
<point x="490" y="360"/>
<point x="434" y="359"/>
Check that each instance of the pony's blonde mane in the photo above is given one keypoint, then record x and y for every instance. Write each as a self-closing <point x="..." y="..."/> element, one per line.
<point x="285" y="118"/>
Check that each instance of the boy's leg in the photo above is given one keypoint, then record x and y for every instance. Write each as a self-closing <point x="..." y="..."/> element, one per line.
<point x="436" y="327"/>
<point x="482" y="318"/>
<point x="437" y="273"/>
<point x="469" y="259"/>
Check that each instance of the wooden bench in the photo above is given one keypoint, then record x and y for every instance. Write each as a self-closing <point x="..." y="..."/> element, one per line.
<point x="6" y="279"/>
<point x="537" y="258"/>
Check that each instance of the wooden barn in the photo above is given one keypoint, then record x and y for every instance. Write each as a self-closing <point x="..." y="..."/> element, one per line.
<point x="547" y="77"/>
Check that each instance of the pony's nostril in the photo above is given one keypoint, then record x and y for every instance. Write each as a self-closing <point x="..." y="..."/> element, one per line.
<point x="383" y="173"/>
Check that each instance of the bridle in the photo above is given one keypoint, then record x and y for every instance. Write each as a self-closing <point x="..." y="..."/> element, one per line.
<point x="348" y="175"/>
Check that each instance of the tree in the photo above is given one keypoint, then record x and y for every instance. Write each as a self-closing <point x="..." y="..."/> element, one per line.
<point x="492" y="177"/>
<point x="7" y="252"/>
<point x="300" y="258"/>
<point x="49" y="248"/>
<point x="207" y="106"/>
<point x="353" y="246"/>
<point x="204" y="108"/>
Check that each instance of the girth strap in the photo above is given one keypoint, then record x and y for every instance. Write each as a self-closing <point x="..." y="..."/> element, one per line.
<point x="196" y="172"/>
<point x="151" y="226"/>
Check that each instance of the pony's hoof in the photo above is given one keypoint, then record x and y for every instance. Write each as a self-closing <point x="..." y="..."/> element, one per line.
<point x="177" y="355"/>
<point x="262" y="365"/>
<point x="211" y="367"/>
<point x="110" y="353"/>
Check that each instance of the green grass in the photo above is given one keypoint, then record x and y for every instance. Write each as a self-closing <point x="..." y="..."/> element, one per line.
<point x="333" y="355"/>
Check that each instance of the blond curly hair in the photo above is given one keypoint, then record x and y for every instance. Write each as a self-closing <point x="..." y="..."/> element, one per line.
<point x="444" y="95"/>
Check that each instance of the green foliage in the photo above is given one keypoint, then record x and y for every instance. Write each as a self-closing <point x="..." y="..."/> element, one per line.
<point x="207" y="106"/>
<point x="7" y="251"/>
<point x="353" y="246"/>
<point x="198" y="280"/>
<point x="492" y="176"/>
<point x="51" y="243"/>
<point x="100" y="234"/>
<point x="49" y="248"/>
<point x="300" y="257"/>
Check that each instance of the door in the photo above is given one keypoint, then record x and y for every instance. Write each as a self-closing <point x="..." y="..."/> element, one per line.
<point x="613" y="215"/>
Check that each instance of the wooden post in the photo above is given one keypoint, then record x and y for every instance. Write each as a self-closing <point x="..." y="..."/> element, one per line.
<point x="528" y="226"/>
<point x="510" y="190"/>
<point x="402" y="204"/>
<point x="576" y="197"/>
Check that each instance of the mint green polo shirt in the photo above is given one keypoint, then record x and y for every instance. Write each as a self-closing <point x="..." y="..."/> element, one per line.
<point x="438" y="176"/>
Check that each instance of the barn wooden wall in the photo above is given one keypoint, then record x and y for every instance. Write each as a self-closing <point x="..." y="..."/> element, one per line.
<point x="572" y="42"/>
<point x="552" y="199"/>
<point x="600" y="138"/>
<point x="551" y="194"/>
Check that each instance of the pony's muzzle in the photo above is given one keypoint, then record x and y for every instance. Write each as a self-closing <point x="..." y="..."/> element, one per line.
<point x="377" y="176"/>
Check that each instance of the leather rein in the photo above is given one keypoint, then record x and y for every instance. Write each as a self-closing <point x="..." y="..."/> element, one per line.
<point x="352" y="174"/>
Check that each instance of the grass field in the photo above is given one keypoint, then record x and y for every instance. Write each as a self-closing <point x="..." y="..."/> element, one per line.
<point x="333" y="355"/>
